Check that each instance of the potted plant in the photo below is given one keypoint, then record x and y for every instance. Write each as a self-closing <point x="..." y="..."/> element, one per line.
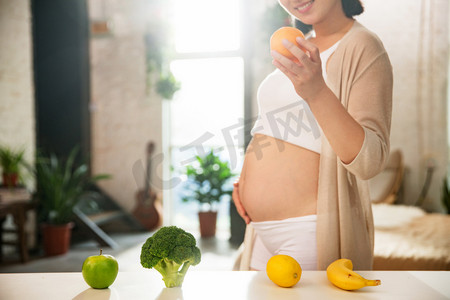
<point x="207" y="179"/>
<point x="11" y="162"/>
<point x="60" y="186"/>
<point x="167" y="86"/>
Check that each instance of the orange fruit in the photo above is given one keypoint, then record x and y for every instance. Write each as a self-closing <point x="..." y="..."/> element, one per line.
<point x="288" y="33"/>
<point x="283" y="270"/>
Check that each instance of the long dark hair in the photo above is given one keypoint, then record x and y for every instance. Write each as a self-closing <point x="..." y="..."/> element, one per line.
<point x="352" y="8"/>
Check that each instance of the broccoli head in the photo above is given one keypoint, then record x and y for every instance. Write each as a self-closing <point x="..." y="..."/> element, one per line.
<point x="170" y="251"/>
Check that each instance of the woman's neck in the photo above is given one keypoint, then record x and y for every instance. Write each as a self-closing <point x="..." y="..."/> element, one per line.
<point x="339" y="26"/>
<point x="327" y="34"/>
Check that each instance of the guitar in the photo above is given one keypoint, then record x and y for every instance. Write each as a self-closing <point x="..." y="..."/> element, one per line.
<point x="148" y="209"/>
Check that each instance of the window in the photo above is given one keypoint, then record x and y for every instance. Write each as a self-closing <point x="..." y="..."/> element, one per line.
<point x="206" y="25"/>
<point x="208" y="110"/>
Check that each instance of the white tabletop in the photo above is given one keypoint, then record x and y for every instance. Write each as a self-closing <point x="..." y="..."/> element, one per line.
<point x="147" y="284"/>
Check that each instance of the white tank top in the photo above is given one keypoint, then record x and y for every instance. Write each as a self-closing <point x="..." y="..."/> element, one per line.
<point x="284" y="115"/>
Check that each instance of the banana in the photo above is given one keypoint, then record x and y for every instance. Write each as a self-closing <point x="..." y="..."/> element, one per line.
<point x="341" y="274"/>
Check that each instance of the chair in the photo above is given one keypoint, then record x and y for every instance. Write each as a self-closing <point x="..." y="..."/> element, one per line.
<point x="15" y="203"/>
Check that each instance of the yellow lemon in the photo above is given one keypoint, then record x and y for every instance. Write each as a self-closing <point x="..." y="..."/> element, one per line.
<point x="283" y="270"/>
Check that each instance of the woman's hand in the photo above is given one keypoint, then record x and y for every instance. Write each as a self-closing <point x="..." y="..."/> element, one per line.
<point x="306" y="73"/>
<point x="237" y="202"/>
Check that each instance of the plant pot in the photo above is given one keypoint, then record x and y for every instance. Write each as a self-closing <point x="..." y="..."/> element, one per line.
<point x="207" y="221"/>
<point x="10" y="179"/>
<point x="56" y="238"/>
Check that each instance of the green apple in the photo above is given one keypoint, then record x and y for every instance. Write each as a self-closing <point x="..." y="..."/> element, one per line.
<point x="100" y="271"/>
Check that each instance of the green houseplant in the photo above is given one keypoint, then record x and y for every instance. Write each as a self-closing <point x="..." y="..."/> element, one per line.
<point x="11" y="162"/>
<point x="167" y="86"/>
<point x="159" y="49"/>
<point x="207" y="184"/>
<point x="60" y="186"/>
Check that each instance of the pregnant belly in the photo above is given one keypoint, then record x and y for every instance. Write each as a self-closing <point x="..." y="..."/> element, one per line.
<point x="278" y="180"/>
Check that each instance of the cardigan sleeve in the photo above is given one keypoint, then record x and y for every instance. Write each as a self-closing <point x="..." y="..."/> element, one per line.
<point x="369" y="101"/>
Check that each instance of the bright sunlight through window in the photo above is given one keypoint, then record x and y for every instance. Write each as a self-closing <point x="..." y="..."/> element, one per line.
<point x="206" y="25"/>
<point x="211" y="97"/>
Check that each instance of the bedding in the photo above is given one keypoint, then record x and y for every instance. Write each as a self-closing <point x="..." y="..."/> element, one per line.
<point x="408" y="238"/>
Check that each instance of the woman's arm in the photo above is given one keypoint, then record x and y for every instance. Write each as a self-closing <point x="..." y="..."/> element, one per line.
<point x="358" y="133"/>
<point x="343" y="132"/>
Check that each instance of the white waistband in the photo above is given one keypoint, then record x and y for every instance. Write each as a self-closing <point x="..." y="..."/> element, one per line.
<point x="288" y="220"/>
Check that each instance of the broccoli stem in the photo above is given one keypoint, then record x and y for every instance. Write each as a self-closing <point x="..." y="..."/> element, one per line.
<point x="172" y="276"/>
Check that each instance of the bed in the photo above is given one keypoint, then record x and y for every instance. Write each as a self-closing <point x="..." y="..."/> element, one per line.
<point x="408" y="238"/>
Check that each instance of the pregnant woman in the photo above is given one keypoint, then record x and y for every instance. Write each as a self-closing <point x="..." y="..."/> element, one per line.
<point x="322" y="131"/>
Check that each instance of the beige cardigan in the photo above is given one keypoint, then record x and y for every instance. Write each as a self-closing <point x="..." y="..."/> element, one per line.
<point x="360" y="74"/>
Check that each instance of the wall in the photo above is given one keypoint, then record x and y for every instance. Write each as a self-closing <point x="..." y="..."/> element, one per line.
<point x="17" y="122"/>
<point x="123" y="117"/>
<point x="416" y="38"/>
